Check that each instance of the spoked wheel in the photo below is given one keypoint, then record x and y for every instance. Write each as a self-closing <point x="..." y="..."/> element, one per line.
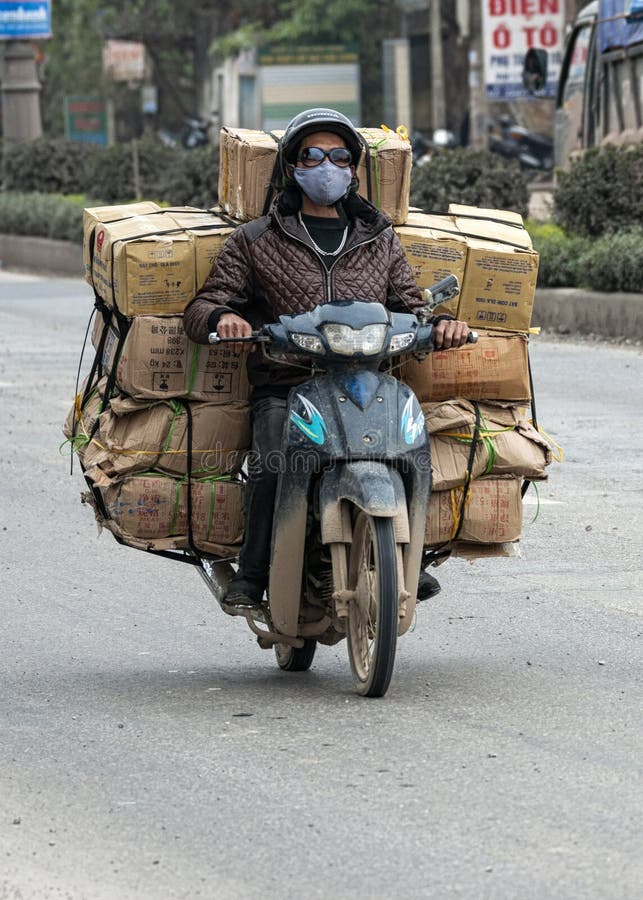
<point x="373" y="612"/>
<point x="296" y="659"/>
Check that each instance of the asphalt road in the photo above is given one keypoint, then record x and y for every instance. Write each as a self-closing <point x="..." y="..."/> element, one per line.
<point x="150" y="749"/>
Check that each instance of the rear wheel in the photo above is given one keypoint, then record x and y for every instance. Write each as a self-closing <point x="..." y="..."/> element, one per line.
<point x="373" y="611"/>
<point x="296" y="659"/>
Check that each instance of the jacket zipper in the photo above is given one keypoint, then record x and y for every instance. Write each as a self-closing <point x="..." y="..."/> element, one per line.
<point x="328" y="272"/>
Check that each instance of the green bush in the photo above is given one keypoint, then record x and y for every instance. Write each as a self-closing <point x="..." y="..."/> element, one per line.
<point x="49" y="166"/>
<point x="615" y="263"/>
<point x="611" y="263"/>
<point x="42" y="215"/>
<point x="166" y="174"/>
<point x="602" y="193"/>
<point x="472" y="177"/>
<point x="560" y="256"/>
<point x="195" y="182"/>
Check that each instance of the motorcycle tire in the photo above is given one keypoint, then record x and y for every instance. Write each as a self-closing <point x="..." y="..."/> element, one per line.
<point x="296" y="659"/>
<point x="373" y="613"/>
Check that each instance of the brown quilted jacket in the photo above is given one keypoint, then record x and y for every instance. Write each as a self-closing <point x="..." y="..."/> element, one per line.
<point x="270" y="267"/>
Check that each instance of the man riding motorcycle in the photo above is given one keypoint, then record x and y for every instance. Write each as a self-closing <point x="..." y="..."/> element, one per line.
<point x="320" y="242"/>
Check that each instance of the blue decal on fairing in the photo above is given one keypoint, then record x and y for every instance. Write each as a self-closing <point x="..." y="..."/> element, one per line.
<point x="361" y="387"/>
<point x="412" y="426"/>
<point x="315" y="428"/>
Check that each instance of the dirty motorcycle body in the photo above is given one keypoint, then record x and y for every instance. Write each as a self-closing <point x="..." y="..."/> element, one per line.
<point x="353" y="488"/>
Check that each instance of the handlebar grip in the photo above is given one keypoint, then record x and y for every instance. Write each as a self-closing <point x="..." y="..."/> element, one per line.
<point x="215" y="338"/>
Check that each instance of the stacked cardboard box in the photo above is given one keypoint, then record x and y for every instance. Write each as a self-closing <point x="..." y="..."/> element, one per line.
<point x="491" y="254"/>
<point x="508" y="444"/>
<point x="161" y="425"/>
<point x="151" y="262"/>
<point x="247" y="160"/>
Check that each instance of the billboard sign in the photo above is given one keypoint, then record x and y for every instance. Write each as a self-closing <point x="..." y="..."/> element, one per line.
<point x="124" y="60"/>
<point x="510" y="29"/>
<point x="25" y="20"/>
<point x="86" y="119"/>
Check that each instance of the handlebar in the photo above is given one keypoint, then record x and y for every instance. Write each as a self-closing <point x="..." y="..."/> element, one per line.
<point x="258" y="338"/>
<point x="255" y="338"/>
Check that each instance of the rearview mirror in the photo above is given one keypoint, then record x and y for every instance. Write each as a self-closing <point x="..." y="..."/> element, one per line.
<point x="534" y="70"/>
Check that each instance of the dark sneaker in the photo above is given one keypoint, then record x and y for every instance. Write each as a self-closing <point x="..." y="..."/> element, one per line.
<point x="428" y="586"/>
<point x="244" y="592"/>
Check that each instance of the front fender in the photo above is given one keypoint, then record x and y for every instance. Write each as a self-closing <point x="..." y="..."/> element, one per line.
<point x="371" y="486"/>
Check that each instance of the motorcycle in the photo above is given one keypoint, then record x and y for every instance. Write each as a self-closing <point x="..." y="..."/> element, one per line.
<point x="354" y="482"/>
<point x="534" y="152"/>
<point x="193" y="133"/>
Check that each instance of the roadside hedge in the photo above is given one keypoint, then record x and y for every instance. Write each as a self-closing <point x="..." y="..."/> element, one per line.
<point x="42" y="215"/>
<point x="602" y="193"/>
<point x="613" y="262"/>
<point x="473" y="177"/>
<point x="177" y="176"/>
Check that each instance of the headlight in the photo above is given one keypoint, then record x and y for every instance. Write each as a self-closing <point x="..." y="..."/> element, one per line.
<point x="347" y="341"/>
<point x="400" y="342"/>
<point x="308" y="342"/>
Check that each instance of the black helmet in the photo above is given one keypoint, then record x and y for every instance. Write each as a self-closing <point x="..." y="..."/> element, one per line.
<point x="311" y="120"/>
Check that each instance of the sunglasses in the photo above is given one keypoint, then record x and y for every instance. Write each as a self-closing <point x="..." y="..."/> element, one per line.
<point x="313" y="156"/>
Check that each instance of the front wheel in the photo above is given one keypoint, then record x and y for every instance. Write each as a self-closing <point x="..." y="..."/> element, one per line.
<point x="296" y="659"/>
<point x="373" y="609"/>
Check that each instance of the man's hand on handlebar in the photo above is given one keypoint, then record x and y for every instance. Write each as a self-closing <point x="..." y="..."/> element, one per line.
<point x="232" y="326"/>
<point x="450" y="333"/>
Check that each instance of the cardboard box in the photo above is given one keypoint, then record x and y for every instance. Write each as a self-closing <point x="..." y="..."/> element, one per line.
<point x="81" y="418"/>
<point x="158" y="361"/>
<point x="96" y="215"/>
<point x="492" y="513"/>
<point x="247" y="159"/>
<point x="208" y="233"/>
<point x="499" y="284"/>
<point x="434" y="249"/>
<point x="500" y="225"/>
<point x="508" y="444"/>
<point x="149" y="511"/>
<point x="496" y="368"/>
<point x="389" y="163"/>
<point x="144" y="266"/>
<point x="154" y="264"/>
<point x="246" y="162"/>
<point x="138" y="436"/>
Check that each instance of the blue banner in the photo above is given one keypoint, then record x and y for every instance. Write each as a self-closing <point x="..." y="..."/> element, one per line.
<point x="25" y="19"/>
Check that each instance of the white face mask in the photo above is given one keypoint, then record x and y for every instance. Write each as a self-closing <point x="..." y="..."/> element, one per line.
<point x="324" y="184"/>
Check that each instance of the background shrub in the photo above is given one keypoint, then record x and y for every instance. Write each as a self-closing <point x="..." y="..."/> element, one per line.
<point x="602" y="193"/>
<point x="560" y="256"/>
<point x="166" y="174"/>
<point x="42" y="215"/>
<point x="615" y="263"/>
<point x="51" y="166"/>
<point x="473" y="177"/>
<point x="195" y="181"/>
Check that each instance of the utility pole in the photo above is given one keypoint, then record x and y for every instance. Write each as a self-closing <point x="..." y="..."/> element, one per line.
<point x="438" y="108"/>
<point x="478" y="105"/>
<point x="20" y="93"/>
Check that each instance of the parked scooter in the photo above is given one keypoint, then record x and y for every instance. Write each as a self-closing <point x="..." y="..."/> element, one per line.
<point x="534" y="152"/>
<point x="353" y="488"/>
<point x="193" y="133"/>
<point x="423" y="148"/>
